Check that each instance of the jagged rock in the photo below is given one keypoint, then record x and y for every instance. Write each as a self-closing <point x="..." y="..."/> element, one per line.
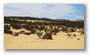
<point x="47" y="35"/>
<point x="39" y="34"/>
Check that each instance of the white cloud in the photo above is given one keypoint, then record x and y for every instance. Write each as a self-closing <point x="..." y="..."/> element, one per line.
<point x="38" y="10"/>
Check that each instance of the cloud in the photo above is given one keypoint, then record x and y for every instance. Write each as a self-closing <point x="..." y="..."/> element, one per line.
<point x="40" y="10"/>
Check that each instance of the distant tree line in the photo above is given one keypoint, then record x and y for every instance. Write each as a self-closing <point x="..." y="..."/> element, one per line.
<point x="11" y="20"/>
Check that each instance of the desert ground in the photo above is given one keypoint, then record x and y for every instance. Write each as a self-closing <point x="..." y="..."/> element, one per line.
<point x="33" y="41"/>
<point x="60" y="41"/>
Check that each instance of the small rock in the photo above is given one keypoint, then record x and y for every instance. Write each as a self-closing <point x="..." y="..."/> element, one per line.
<point x="78" y="38"/>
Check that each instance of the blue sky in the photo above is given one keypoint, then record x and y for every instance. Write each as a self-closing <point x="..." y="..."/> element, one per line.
<point x="54" y="11"/>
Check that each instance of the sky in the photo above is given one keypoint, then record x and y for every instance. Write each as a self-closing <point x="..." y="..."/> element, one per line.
<point x="53" y="11"/>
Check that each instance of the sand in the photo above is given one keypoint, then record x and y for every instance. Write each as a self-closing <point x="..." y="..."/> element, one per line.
<point x="60" y="41"/>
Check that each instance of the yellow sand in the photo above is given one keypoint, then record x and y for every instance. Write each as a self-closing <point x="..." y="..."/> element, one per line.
<point x="60" y="41"/>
